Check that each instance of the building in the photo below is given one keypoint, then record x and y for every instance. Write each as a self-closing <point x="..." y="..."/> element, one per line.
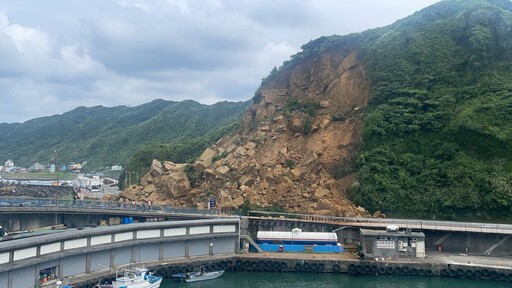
<point x="392" y="243"/>
<point x="116" y="168"/>
<point x="9" y="165"/>
<point x="37" y="167"/>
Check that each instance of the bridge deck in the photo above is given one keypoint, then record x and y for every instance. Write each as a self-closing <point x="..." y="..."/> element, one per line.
<point x="384" y="222"/>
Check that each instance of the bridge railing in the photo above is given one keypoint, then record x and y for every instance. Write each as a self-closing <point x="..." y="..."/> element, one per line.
<point x="383" y="222"/>
<point x="98" y="204"/>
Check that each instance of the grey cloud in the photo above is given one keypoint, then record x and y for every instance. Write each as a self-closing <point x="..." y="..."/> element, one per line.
<point x="128" y="52"/>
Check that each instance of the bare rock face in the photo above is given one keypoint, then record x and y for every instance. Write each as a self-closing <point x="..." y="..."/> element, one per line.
<point x="281" y="155"/>
<point x="179" y="184"/>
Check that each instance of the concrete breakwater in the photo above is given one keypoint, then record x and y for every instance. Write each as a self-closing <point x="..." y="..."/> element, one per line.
<point x="313" y="263"/>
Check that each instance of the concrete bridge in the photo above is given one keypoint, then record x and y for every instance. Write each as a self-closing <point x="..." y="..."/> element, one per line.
<point x="40" y="261"/>
<point x="382" y="223"/>
<point x="448" y="236"/>
<point x="24" y="214"/>
<point x="19" y="215"/>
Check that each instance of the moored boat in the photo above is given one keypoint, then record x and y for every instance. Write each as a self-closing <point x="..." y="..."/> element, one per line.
<point x="134" y="278"/>
<point x="199" y="276"/>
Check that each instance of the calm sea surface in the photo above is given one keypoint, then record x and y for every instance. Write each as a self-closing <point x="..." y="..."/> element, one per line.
<point x="304" y="280"/>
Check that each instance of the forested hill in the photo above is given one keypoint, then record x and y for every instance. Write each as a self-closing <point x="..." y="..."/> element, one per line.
<point x="438" y="131"/>
<point x="110" y="136"/>
<point x="437" y="139"/>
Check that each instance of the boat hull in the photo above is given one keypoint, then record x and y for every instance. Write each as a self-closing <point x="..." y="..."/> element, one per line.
<point x="205" y="276"/>
<point x="134" y="278"/>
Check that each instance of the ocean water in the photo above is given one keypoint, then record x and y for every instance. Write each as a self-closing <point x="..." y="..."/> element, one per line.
<point x="328" y="280"/>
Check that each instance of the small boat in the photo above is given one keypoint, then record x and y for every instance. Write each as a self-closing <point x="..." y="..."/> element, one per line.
<point x="134" y="278"/>
<point x="60" y="283"/>
<point x="199" y="276"/>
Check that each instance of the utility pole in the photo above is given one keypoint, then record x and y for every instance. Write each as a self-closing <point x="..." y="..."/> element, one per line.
<point x="56" y="166"/>
<point x="126" y="179"/>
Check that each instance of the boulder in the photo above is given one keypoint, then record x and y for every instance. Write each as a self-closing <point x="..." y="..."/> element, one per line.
<point x="231" y="148"/>
<point x="278" y="118"/>
<point x="250" y="145"/>
<point x="154" y="197"/>
<point x="250" y="153"/>
<point x="274" y="96"/>
<point x="312" y="164"/>
<point x="224" y="196"/>
<point x="146" y="179"/>
<point x="240" y="151"/>
<point x="321" y="193"/>
<point x="296" y="174"/>
<point x="295" y="124"/>
<point x="210" y="173"/>
<point x="222" y="170"/>
<point x="378" y="214"/>
<point x="228" y="206"/>
<point x="205" y="160"/>
<point x="156" y="168"/>
<point x="246" y="180"/>
<point x="264" y="128"/>
<point x="149" y="189"/>
<point x="325" y="103"/>
<point x="179" y="184"/>
<point x="239" y="201"/>
<point x="192" y="195"/>
<point x="173" y="167"/>
<point x="322" y="123"/>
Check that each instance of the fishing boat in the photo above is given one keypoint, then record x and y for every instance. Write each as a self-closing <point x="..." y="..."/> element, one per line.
<point x="199" y="276"/>
<point x="138" y="277"/>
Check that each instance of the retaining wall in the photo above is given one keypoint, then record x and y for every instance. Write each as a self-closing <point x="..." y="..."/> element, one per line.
<point x="241" y="263"/>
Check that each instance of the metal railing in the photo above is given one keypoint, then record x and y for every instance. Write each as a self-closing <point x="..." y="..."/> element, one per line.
<point x="99" y="204"/>
<point x="383" y="222"/>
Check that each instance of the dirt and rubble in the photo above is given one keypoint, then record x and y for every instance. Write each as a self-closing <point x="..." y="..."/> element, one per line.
<point x="10" y="190"/>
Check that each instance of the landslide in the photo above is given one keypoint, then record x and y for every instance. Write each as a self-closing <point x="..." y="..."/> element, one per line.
<point x="293" y="151"/>
<point x="412" y="119"/>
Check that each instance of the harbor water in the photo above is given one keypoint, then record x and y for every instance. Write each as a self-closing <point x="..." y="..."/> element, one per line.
<point x="329" y="280"/>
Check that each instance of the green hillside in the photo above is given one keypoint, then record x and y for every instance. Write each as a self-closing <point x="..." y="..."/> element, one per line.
<point x="437" y="139"/>
<point x="109" y="136"/>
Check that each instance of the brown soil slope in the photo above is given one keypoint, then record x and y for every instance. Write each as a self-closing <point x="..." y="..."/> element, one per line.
<point x="280" y="156"/>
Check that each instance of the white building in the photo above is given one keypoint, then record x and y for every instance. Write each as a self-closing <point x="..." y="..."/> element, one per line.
<point x="9" y="165"/>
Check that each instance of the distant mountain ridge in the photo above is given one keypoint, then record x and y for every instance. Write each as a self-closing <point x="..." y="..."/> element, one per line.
<point x="111" y="135"/>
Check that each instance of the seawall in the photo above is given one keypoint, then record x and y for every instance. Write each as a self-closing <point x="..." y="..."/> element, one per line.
<point x="438" y="265"/>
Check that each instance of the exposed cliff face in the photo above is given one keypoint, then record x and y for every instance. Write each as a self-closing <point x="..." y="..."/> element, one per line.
<point x="286" y="152"/>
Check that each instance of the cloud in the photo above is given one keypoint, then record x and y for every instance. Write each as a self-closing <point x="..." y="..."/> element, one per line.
<point x="57" y="55"/>
<point x="29" y="41"/>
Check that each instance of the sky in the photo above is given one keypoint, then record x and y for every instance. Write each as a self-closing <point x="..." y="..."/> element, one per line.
<point x="58" y="55"/>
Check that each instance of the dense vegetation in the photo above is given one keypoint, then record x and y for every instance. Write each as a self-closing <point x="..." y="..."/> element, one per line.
<point x="437" y="140"/>
<point x="437" y="136"/>
<point x="111" y="136"/>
